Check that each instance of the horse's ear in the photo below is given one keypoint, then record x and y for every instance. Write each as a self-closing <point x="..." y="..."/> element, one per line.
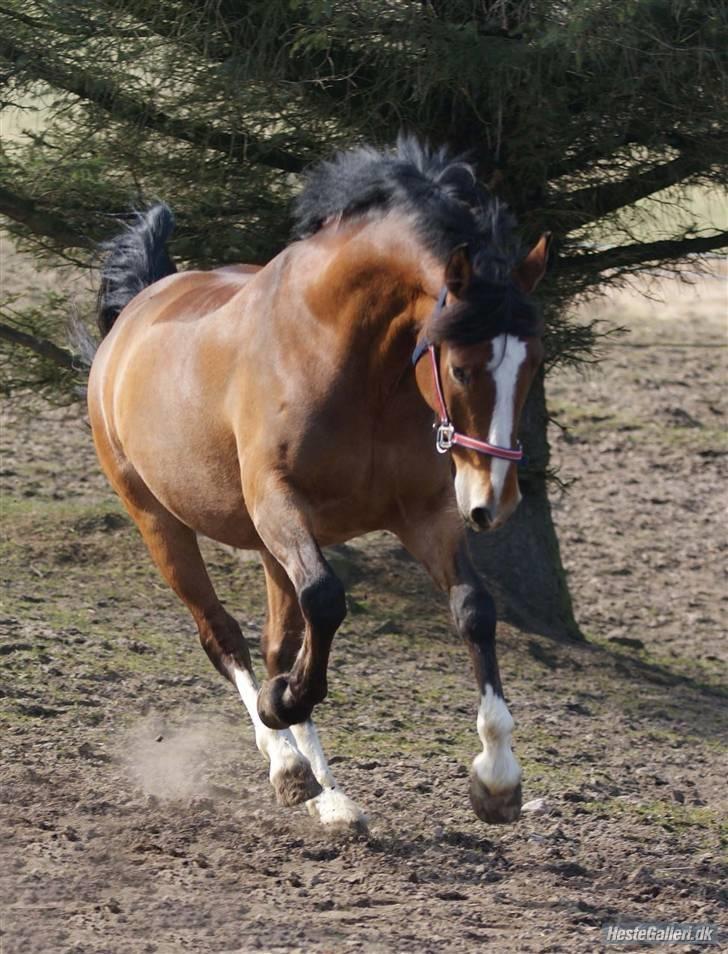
<point x="459" y="271"/>
<point x="533" y="267"/>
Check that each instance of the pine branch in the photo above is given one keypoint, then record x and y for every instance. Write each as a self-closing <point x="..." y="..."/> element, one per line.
<point x="109" y="96"/>
<point x="40" y="346"/>
<point x="41" y="222"/>
<point x="169" y="22"/>
<point x="593" y="202"/>
<point x="21" y="17"/>
<point x="625" y="257"/>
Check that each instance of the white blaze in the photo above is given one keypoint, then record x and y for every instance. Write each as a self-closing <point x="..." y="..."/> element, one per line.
<point x="508" y="355"/>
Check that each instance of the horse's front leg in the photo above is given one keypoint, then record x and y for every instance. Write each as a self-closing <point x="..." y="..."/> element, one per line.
<point x="495" y="778"/>
<point x="495" y="775"/>
<point x="282" y="640"/>
<point x="288" y="698"/>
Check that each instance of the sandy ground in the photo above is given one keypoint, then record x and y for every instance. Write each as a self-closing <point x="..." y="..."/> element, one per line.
<point x="136" y="813"/>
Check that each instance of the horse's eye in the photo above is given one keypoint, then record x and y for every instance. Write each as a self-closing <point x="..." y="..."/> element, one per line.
<point x="461" y="375"/>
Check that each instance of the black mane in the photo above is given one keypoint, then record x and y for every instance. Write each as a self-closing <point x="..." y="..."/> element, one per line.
<point x="448" y="207"/>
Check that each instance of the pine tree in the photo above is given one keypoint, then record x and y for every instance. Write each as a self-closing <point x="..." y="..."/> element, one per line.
<point x="573" y="111"/>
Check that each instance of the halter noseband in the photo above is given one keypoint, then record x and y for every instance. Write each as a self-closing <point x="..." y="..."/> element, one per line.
<point x="446" y="435"/>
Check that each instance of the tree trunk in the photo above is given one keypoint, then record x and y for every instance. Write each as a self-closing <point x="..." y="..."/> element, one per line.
<point x="521" y="562"/>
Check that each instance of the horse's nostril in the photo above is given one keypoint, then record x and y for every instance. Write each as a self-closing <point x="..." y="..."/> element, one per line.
<point x="480" y="517"/>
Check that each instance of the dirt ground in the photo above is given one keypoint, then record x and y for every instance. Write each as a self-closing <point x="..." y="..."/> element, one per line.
<point x="136" y="812"/>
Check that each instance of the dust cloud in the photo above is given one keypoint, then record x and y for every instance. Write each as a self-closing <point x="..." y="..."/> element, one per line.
<point x="170" y="762"/>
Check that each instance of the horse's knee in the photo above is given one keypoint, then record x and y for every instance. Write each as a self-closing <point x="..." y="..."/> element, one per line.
<point x="223" y="641"/>
<point x="324" y="603"/>
<point x="473" y="609"/>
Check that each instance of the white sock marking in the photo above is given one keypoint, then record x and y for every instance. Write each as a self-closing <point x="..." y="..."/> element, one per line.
<point x="279" y="747"/>
<point x="332" y="806"/>
<point x="309" y="744"/>
<point x="508" y="355"/>
<point x="496" y="766"/>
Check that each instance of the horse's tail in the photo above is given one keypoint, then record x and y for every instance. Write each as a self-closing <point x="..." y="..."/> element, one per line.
<point x="135" y="259"/>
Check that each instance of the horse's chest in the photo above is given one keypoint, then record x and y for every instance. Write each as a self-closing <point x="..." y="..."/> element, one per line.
<point x="359" y="484"/>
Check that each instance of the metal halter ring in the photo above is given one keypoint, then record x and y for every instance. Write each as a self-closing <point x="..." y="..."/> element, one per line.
<point x="444" y="436"/>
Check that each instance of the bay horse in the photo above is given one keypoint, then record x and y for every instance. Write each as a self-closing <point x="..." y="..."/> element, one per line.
<point x="290" y="407"/>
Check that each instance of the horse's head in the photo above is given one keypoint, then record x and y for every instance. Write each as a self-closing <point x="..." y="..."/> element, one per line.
<point x="485" y="351"/>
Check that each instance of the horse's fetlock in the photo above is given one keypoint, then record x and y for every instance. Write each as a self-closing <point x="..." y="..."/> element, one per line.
<point x="279" y="707"/>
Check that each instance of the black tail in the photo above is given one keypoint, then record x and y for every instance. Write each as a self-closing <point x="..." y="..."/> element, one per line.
<point x="135" y="259"/>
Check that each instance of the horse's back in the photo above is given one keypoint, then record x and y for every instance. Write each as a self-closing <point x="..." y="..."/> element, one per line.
<point x="186" y="296"/>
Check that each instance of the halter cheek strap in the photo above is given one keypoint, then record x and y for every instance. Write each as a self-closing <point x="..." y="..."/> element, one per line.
<point x="424" y="344"/>
<point x="446" y="435"/>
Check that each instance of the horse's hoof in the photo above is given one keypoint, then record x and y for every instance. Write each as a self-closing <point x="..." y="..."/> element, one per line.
<point x="295" y="784"/>
<point x="338" y="812"/>
<point x="501" y="808"/>
<point x="276" y="706"/>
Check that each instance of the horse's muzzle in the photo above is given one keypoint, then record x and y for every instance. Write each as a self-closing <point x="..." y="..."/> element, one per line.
<point x="480" y="518"/>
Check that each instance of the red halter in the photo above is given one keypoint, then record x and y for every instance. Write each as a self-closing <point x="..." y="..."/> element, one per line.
<point x="446" y="434"/>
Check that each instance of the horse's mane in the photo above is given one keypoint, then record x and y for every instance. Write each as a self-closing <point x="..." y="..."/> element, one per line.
<point x="448" y="207"/>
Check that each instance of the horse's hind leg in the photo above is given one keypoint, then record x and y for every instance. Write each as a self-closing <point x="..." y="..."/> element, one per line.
<point x="173" y="547"/>
<point x="282" y="640"/>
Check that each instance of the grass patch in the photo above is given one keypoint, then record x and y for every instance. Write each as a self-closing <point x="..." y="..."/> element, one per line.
<point x="699" y="821"/>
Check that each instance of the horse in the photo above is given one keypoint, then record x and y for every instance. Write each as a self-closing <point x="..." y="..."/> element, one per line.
<point x="289" y="407"/>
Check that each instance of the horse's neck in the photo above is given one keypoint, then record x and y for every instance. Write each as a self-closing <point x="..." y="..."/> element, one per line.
<point x="379" y="349"/>
<point x="378" y="291"/>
